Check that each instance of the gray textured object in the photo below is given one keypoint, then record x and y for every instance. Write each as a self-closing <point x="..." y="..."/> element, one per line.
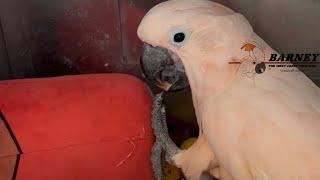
<point x="163" y="144"/>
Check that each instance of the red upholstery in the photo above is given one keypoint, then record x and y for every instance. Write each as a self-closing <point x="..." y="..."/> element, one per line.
<point x="80" y="127"/>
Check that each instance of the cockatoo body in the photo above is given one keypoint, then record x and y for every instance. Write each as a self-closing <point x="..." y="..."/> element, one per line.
<point x="253" y="124"/>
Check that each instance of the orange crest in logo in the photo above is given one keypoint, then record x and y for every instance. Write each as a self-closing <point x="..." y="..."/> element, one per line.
<point x="248" y="47"/>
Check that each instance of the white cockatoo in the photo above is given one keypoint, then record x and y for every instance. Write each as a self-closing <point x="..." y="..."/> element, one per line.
<point x="255" y="123"/>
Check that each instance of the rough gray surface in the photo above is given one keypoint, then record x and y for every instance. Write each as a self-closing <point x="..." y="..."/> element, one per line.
<point x="164" y="144"/>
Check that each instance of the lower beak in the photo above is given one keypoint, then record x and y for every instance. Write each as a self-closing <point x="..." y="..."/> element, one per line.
<point x="163" y="68"/>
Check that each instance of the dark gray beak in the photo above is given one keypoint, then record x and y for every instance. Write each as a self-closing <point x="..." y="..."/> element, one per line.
<point x="164" y="68"/>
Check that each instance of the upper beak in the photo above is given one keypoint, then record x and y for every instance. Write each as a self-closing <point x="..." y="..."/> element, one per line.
<point x="164" y="68"/>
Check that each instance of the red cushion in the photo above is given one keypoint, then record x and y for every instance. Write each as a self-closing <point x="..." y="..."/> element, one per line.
<point x="80" y="127"/>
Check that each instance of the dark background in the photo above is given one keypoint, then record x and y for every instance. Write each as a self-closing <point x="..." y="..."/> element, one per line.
<point x="41" y="38"/>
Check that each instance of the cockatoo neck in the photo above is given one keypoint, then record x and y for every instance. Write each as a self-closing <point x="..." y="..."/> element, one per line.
<point x="210" y="75"/>
<point x="207" y="79"/>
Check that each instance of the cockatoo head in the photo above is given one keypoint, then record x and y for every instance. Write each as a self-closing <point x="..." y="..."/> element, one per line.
<point x="189" y="41"/>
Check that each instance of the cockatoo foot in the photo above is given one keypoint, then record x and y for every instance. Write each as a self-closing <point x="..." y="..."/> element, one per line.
<point x="196" y="159"/>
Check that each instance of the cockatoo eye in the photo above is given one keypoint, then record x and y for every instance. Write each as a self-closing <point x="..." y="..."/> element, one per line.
<point x="178" y="36"/>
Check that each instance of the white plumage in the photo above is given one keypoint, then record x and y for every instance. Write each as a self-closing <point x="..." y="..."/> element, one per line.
<point x="265" y="126"/>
